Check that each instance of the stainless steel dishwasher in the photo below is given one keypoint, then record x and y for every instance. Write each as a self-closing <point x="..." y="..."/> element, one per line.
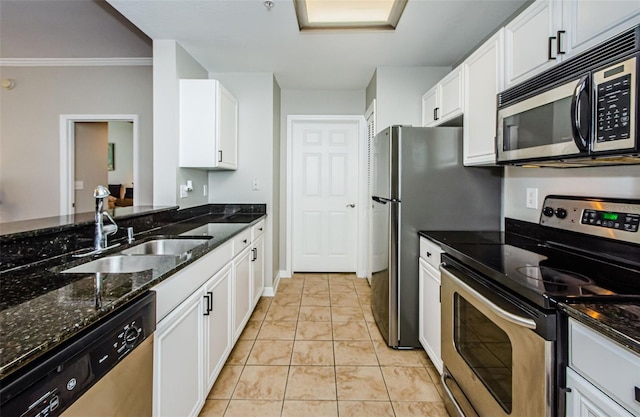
<point x="105" y="371"/>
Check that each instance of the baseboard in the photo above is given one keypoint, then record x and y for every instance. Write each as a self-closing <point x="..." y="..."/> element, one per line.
<point x="271" y="291"/>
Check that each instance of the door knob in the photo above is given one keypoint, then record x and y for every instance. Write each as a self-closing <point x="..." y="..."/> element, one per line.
<point x="352" y="205"/>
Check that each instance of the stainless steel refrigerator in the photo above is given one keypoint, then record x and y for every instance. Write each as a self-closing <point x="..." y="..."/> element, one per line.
<point x="419" y="183"/>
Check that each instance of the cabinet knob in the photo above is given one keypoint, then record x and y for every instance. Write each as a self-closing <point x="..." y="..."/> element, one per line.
<point x="428" y="254"/>
<point x="549" y="46"/>
<point x="636" y="392"/>
<point x="559" y="50"/>
<point x="219" y="156"/>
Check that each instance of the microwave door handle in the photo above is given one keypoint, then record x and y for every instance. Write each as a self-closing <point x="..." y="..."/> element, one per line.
<point x="576" y="123"/>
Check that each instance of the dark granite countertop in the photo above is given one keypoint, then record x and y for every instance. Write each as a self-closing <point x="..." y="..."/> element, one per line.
<point x="40" y="307"/>
<point x="618" y="322"/>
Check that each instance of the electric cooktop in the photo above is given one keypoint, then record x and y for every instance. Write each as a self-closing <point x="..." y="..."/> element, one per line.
<point x="564" y="258"/>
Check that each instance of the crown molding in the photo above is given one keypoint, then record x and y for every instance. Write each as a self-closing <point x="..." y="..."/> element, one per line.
<point x="75" y="62"/>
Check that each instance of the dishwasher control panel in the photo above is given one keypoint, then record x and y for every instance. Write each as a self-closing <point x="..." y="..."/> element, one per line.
<point x="49" y="387"/>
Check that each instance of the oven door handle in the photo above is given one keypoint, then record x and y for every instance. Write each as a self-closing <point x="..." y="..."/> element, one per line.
<point x="508" y="316"/>
<point x="576" y="123"/>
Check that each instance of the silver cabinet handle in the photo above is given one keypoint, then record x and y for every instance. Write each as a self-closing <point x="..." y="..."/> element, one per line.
<point x="352" y="205"/>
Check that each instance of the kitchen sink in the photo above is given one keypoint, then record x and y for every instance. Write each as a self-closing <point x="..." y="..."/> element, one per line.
<point x="126" y="264"/>
<point x="165" y="247"/>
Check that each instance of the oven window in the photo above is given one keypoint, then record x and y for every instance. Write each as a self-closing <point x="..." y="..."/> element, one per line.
<point x="541" y="126"/>
<point x="486" y="349"/>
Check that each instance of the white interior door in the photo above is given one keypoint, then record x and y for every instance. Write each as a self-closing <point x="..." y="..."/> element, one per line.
<point x="324" y="195"/>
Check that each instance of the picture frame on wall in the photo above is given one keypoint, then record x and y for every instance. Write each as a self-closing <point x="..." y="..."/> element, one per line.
<point x="111" y="154"/>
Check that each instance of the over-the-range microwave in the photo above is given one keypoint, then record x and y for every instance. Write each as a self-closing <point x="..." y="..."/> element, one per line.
<point x="582" y="112"/>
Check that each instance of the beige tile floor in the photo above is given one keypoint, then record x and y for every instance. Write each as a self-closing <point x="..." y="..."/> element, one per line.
<point x="314" y="350"/>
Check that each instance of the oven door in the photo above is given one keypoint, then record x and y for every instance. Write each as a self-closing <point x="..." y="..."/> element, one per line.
<point x="551" y="125"/>
<point x="496" y="364"/>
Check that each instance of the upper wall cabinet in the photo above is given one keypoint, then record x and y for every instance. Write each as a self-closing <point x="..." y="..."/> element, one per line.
<point x="208" y="125"/>
<point x="550" y="31"/>
<point x="483" y="80"/>
<point x="445" y="100"/>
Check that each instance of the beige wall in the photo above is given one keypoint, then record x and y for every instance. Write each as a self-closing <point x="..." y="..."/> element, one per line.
<point x="256" y="94"/>
<point x="30" y="128"/>
<point x="121" y="135"/>
<point x="618" y="182"/>
<point x="171" y="63"/>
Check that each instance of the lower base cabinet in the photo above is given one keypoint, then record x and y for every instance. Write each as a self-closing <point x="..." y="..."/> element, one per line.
<point x="178" y="388"/>
<point x="192" y="344"/>
<point x="585" y="400"/>
<point x="242" y="292"/>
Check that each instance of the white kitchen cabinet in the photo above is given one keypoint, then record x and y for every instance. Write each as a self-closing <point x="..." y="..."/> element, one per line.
<point x="529" y="41"/>
<point x="178" y="388"/>
<point x="217" y="324"/>
<point x="241" y="291"/>
<point x="445" y="100"/>
<point x="550" y="31"/>
<point x="585" y="400"/>
<point x="600" y="387"/>
<point x="429" y="301"/>
<point x="208" y="126"/>
<point x="588" y="22"/>
<point x="257" y="262"/>
<point x="483" y="79"/>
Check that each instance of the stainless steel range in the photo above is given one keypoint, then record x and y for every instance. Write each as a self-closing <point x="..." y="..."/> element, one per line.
<point x="503" y="337"/>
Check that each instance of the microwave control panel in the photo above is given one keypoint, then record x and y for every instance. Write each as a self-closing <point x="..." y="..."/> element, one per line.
<point x="614" y="100"/>
<point x="615" y="105"/>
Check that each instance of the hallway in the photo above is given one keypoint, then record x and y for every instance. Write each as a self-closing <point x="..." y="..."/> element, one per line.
<point x="314" y="350"/>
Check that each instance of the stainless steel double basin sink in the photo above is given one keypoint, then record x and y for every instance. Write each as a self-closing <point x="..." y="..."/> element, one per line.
<point x="152" y="254"/>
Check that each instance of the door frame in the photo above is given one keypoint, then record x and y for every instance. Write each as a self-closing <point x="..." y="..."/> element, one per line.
<point x="361" y="214"/>
<point x="67" y="151"/>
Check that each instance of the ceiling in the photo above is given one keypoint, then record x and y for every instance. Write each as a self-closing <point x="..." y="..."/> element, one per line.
<point x="245" y="36"/>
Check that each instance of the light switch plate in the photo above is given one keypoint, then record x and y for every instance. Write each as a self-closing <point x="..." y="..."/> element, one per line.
<point x="532" y="198"/>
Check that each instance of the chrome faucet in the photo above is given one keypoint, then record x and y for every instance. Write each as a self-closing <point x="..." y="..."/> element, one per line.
<point x="102" y="230"/>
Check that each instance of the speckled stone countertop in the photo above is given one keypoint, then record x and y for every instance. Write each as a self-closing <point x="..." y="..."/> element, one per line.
<point x="41" y="307"/>
<point x="619" y="322"/>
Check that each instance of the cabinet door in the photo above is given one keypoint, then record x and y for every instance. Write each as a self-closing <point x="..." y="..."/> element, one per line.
<point x="589" y="22"/>
<point x="257" y="270"/>
<point x="241" y="291"/>
<point x="178" y="361"/>
<point x="227" y="130"/>
<point x="450" y="96"/>
<point x="429" y="104"/>
<point x="529" y="43"/>
<point x="217" y="323"/>
<point x="429" y="312"/>
<point x="483" y="80"/>
<point x="585" y="400"/>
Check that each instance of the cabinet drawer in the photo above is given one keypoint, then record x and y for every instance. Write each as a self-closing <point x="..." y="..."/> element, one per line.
<point x="241" y="241"/>
<point x="257" y="229"/>
<point x="604" y="363"/>
<point x="174" y="290"/>
<point x="430" y="252"/>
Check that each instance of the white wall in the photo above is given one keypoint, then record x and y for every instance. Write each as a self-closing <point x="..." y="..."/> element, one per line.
<point x="256" y="98"/>
<point x="171" y="63"/>
<point x="121" y="135"/>
<point x="309" y="102"/>
<point x="29" y="128"/>
<point x="618" y="182"/>
<point x="399" y="93"/>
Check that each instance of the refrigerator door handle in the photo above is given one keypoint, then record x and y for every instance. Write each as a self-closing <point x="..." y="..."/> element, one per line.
<point x="383" y="200"/>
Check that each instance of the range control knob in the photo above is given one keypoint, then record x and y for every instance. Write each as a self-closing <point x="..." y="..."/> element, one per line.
<point x="561" y="213"/>
<point x="548" y="211"/>
<point x="131" y="336"/>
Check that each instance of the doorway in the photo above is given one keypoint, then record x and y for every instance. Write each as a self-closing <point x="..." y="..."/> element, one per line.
<point x="325" y="189"/>
<point x="70" y="184"/>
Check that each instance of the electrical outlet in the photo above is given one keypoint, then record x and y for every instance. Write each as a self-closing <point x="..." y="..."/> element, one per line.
<point x="532" y="198"/>
<point x="183" y="191"/>
<point x="255" y="185"/>
<point x="204" y="190"/>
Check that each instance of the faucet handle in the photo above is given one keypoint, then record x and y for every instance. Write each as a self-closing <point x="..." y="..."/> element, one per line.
<point x="130" y="237"/>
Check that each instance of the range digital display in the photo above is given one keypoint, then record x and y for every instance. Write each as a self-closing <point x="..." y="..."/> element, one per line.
<point x="610" y="216"/>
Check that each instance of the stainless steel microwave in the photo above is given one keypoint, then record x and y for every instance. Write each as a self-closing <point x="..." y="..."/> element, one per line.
<point x="582" y="112"/>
